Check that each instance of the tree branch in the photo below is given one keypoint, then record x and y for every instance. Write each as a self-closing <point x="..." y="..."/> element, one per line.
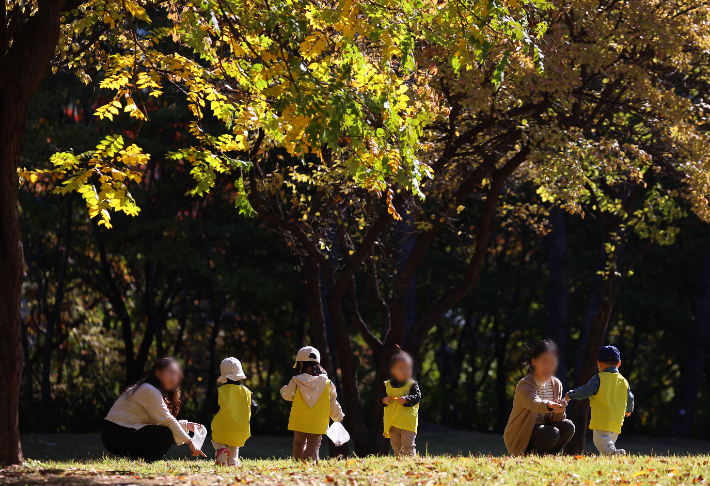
<point x="359" y="322"/>
<point x="470" y="280"/>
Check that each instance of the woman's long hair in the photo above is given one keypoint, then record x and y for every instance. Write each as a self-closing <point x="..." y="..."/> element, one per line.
<point x="171" y="397"/>
<point x="544" y="346"/>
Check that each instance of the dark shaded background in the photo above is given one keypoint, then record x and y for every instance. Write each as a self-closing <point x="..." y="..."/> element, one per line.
<point x="192" y="278"/>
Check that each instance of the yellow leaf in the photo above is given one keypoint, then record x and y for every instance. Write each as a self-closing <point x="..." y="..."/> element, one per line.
<point x="639" y="473"/>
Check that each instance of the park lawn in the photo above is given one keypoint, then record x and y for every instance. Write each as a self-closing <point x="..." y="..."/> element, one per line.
<point x="446" y="457"/>
<point x="634" y="470"/>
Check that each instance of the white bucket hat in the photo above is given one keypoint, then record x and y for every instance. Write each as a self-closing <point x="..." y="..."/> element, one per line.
<point x="309" y="353"/>
<point x="231" y="369"/>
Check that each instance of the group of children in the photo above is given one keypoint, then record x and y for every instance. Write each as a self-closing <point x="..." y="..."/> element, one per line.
<point x="314" y="402"/>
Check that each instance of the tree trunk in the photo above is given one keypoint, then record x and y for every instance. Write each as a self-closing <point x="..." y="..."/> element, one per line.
<point x="348" y="368"/>
<point x="318" y="333"/>
<point x="53" y="318"/>
<point x="592" y="307"/>
<point x="501" y="345"/>
<point x="597" y="335"/>
<point x="557" y="288"/>
<point x="212" y="357"/>
<point x="694" y="359"/>
<point x="406" y="238"/>
<point x="22" y="66"/>
<point x="29" y="381"/>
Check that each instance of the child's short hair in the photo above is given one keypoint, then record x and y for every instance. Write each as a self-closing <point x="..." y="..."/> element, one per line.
<point x="400" y="355"/>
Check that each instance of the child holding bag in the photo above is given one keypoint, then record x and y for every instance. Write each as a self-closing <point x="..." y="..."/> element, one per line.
<point x="401" y="396"/>
<point x="232" y="405"/>
<point x="314" y="401"/>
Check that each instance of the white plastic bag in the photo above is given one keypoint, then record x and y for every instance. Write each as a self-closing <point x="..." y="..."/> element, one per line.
<point x="199" y="437"/>
<point x="337" y="433"/>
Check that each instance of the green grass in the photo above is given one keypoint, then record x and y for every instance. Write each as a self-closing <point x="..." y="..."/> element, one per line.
<point x="446" y="458"/>
<point x="633" y="470"/>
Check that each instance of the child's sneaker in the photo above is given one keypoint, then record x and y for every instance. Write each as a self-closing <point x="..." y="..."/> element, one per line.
<point x="619" y="452"/>
<point x="221" y="457"/>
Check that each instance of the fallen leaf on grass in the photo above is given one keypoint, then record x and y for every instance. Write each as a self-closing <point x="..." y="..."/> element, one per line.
<point x="639" y="473"/>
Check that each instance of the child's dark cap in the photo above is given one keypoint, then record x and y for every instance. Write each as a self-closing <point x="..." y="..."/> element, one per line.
<point x="608" y="354"/>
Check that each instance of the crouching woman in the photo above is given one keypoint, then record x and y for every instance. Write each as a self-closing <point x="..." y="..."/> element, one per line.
<point x="537" y="423"/>
<point x="142" y="424"/>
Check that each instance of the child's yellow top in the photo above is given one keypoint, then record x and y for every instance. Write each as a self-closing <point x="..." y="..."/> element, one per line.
<point x="231" y="424"/>
<point x="310" y="420"/>
<point x="397" y="415"/>
<point x="609" y="404"/>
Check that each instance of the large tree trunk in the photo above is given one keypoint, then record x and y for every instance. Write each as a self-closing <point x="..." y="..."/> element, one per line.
<point x="501" y="383"/>
<point x="695" y="357"/>
<point x="557" y="288"/>
<point x="318" y="334"/>
<point x="22" y="66"/>
<point x="597" y="335"/>
<point x="592" y="306"/>
<point x="348" y="368"/>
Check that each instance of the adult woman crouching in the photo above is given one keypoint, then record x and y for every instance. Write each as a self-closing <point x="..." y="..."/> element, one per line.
<point x="537" y="423"/>
<point x="142" y="424"/>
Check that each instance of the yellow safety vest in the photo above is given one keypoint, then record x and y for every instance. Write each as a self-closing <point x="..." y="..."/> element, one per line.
<point x="231" y="424"/>
<point x="609" y="404"/>
<point x="310" y="420"/>
<point x="397" y="415"/>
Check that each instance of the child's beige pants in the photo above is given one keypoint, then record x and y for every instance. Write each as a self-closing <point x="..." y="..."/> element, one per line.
<point x="230" y="457"/>
<point x="306" y="446"/>
<point x="402" y="442"/>
<point x="605" y="441"/>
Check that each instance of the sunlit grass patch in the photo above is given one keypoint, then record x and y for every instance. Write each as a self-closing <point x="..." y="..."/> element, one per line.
<point x="422" y="471"/>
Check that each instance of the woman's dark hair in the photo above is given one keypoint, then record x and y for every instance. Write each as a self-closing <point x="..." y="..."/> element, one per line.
<point x="171" y="397"/>
<point x="544" y="346"/>
<point x="310" y="367"/>
<point x="400" y="355"/>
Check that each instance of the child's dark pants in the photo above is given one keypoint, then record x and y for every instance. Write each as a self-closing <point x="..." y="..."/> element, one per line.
<point x="550" y="438"/>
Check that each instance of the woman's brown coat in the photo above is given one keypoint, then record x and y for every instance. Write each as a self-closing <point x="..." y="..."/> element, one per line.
<point x="526" y="405"/>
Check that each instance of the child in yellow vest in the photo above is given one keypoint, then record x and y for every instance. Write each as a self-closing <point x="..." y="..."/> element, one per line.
<point x="314" y="400"/>
<point x="401" y="396"/>
<point x="610" y="399"/>
<point x="232" y="405"/>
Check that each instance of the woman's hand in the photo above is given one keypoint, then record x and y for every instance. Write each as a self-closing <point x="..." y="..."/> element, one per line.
<point x="558" y="408"/>
<point x="190" y="426"/>
<point x="195" y="451"/>
<point x="386" y="401"/>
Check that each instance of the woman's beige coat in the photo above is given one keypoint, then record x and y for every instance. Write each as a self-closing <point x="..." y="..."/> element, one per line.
<point x="526" y="405"/>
